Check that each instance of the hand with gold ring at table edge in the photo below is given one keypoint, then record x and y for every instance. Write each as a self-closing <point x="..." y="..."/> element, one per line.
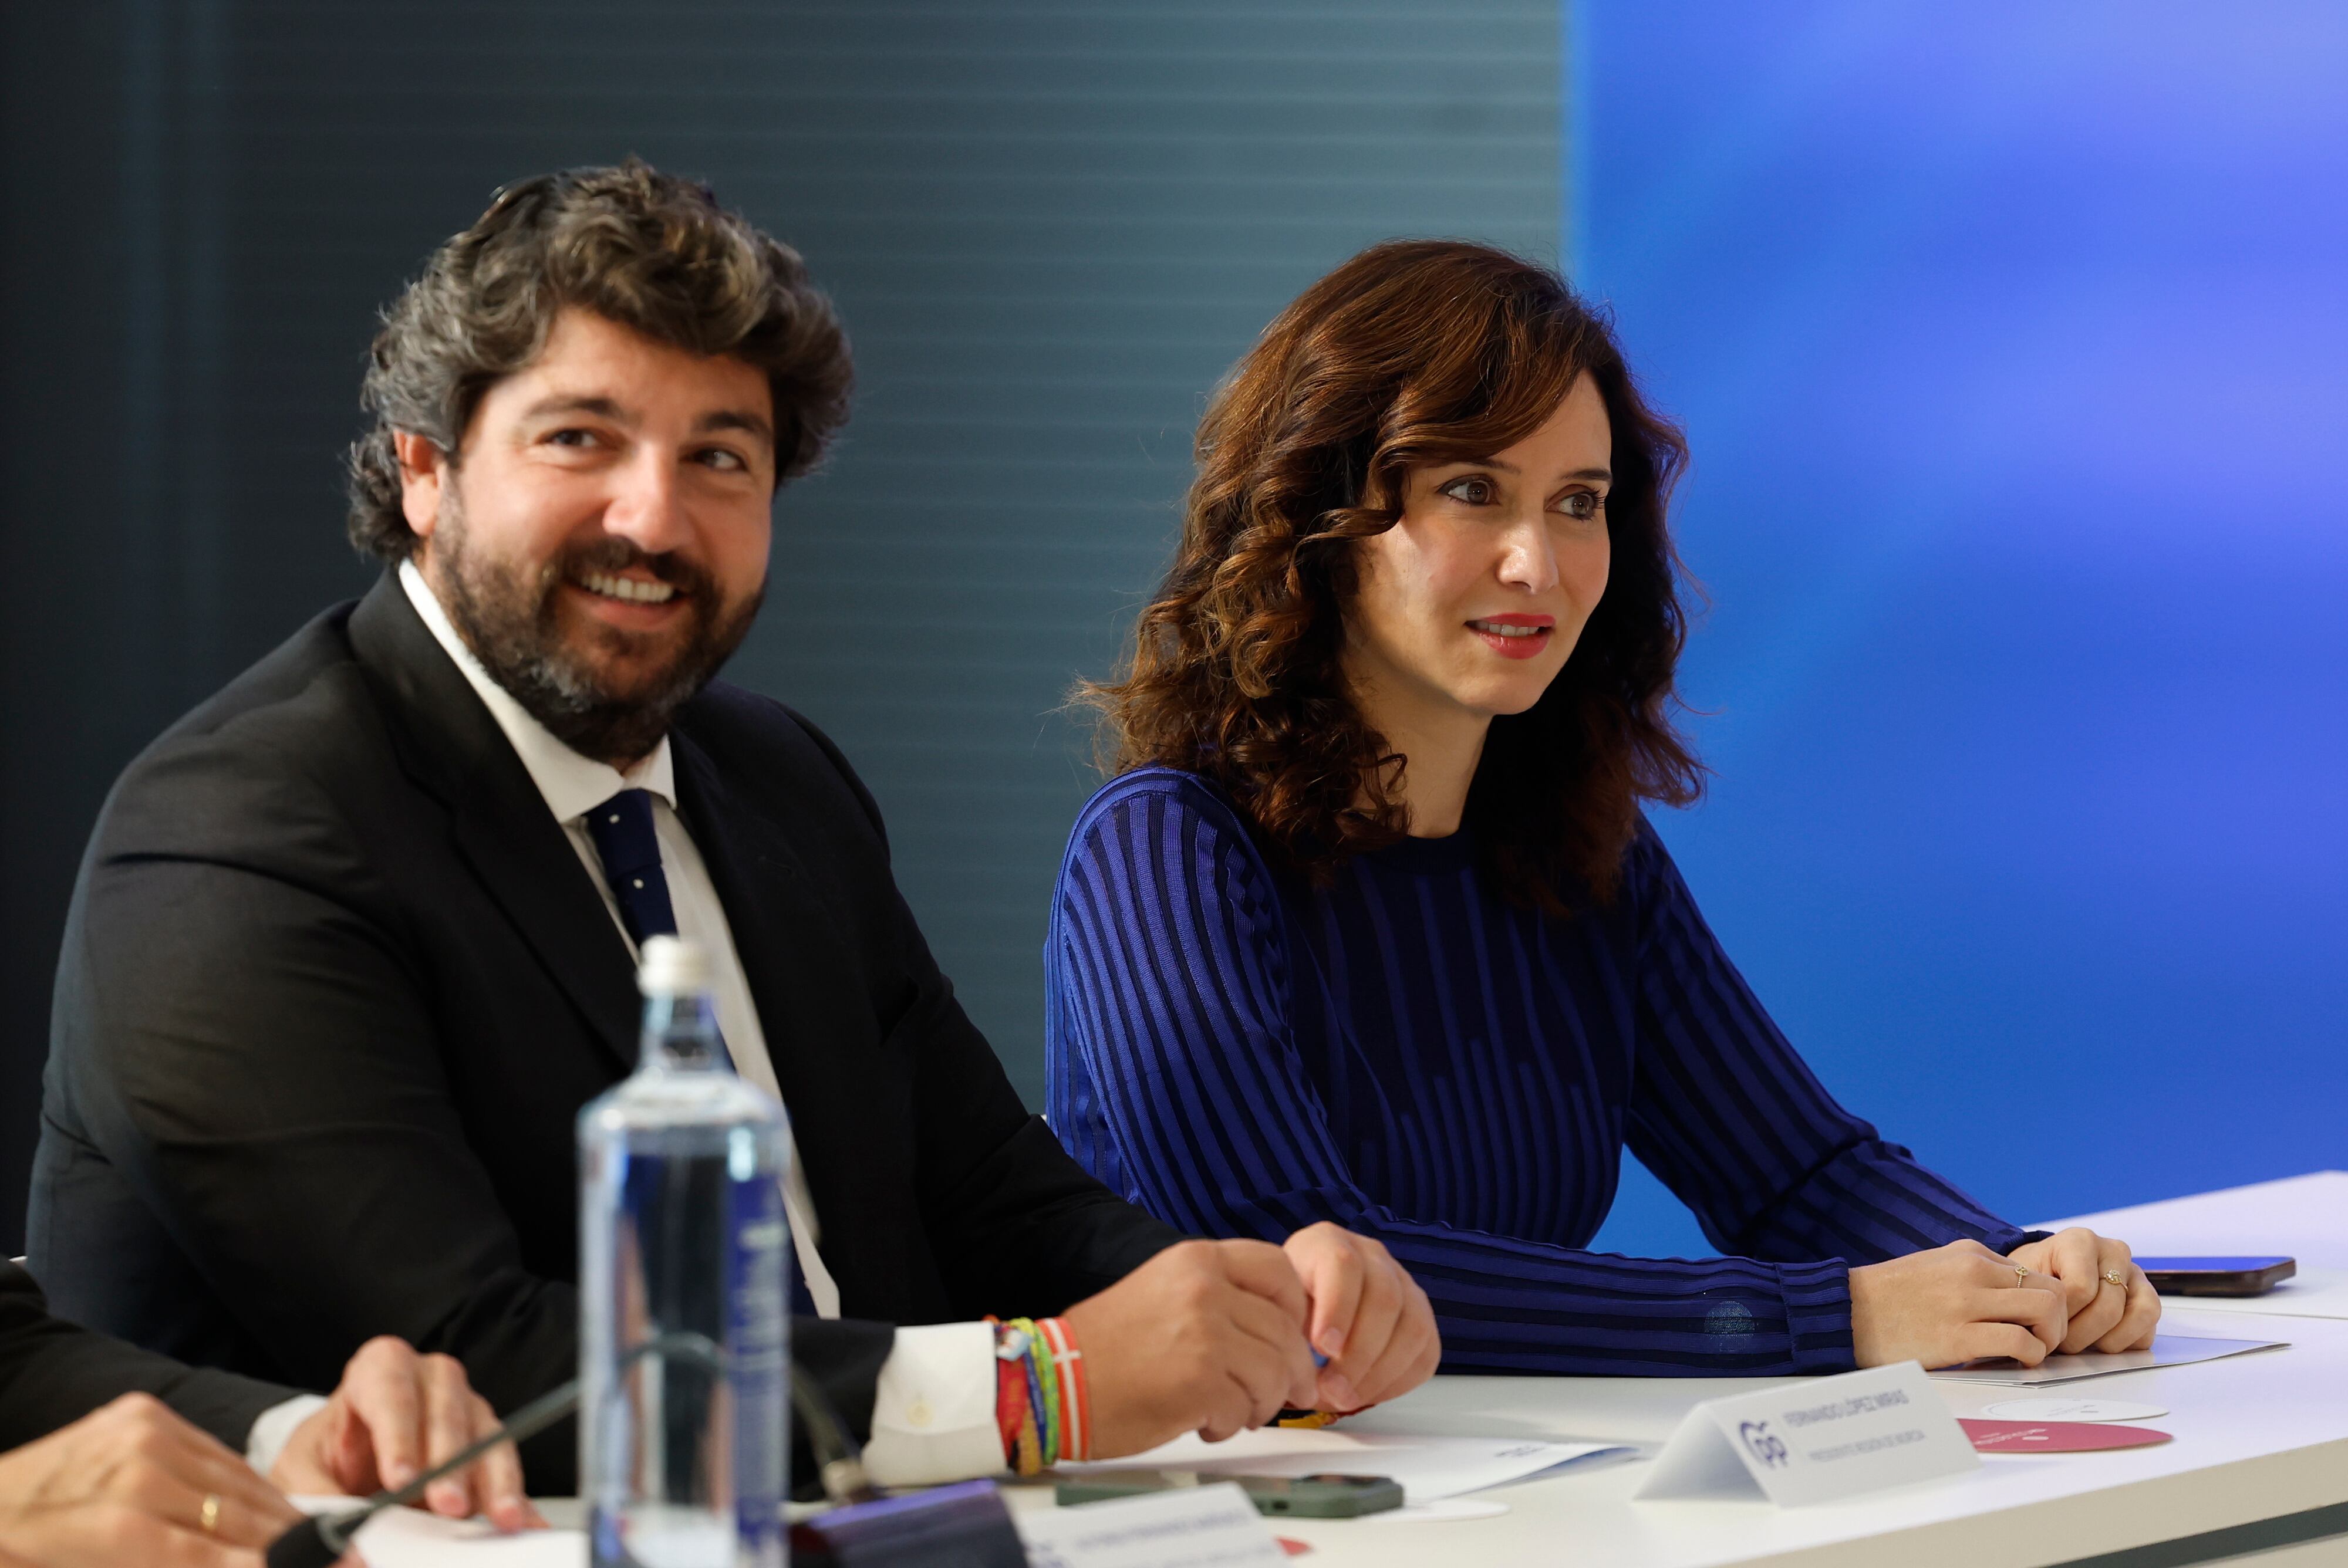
<point x="1963" y="1302"/>
<point x="2111" y="1305"/>
<point x="133" y="1483"/>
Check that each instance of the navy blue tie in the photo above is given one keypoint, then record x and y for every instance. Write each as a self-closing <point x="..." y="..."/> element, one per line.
<point x="622" y="828"/>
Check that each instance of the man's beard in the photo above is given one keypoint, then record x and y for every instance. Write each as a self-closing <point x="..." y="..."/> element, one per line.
<point x="509" y="619"/>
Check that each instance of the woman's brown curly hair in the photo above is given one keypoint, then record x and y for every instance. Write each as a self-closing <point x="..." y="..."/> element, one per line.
<point x="1414" y="354"/>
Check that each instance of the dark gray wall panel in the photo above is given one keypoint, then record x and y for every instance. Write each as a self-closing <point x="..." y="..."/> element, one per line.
<point x="1051" y="227"/>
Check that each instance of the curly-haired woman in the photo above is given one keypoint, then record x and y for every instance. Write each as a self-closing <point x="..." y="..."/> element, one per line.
<point x="1369" y="926"/>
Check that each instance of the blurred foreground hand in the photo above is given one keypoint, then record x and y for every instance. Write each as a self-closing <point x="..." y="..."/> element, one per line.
<point x="133" y="1483"/>
<point x="396" y="1415"/>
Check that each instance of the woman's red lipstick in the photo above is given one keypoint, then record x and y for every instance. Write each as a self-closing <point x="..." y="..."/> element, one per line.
<point x="1515" y="636"/>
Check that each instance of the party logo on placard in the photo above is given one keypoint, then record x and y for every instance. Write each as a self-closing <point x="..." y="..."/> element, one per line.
<point x="1814" y="1442"/>
<point x="1765" y="1448"/>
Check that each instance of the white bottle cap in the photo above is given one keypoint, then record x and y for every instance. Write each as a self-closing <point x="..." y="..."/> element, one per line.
<point x="670" y="966"/>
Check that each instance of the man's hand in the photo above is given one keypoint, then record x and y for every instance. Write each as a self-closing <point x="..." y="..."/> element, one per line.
<point x="1957" y="1303"/>
<point x="1207" y="1336"/>
<point x="1367" y="1316"/>
<point x="2104" y="1315"/>
<point x="395" y="1415"/>
<point x="128" y="1484"/>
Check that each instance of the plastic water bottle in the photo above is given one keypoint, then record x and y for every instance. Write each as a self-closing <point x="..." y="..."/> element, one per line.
<point x="685" y="1320"/>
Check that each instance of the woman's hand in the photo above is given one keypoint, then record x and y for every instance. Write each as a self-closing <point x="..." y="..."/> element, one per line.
<point x="1368" y="1316"/>
<point x="395" y="1415"/>
<point x="133" y="1483"/>
<point x="1957" y="1303"/>
<point x="2104" y="1315"/>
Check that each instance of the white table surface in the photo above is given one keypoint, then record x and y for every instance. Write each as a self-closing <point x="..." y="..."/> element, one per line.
<point x="2250" y="1443"/>
<point x="2305" y="1218"/>
<point x="2256" y="1437"/>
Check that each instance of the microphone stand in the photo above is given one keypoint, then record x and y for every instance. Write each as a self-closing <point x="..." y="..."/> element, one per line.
<point x="320" y="1541"/>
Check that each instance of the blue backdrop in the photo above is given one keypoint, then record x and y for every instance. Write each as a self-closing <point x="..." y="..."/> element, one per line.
<point x="2012" y="344"/>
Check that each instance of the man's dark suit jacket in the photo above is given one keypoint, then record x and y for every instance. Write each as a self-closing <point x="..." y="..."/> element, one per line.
<point x="335" y="985"/>
<point x="53" y="1373"/>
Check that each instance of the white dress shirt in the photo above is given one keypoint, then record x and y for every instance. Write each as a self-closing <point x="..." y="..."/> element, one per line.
<point x="934" y="1415"/>
<point x="273" y="1429"/>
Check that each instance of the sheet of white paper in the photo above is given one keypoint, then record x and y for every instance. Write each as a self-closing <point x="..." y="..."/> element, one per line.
<point x="2309" y="1293"/>
<point x="1196" y="1527"/>
<point x="2055" y="1408"/>
<point x="403" y="1538"/>
<point x="1442" y="1512"/>
<point x="2168" y="1350"/>
<point x="1427" y="1468"/>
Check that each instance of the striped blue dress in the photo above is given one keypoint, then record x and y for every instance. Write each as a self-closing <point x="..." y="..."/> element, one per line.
<point x="1411" y="1056"/>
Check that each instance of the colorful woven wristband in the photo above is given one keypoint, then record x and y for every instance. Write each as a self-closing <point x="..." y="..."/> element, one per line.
<point x="1047" y="1379"/>
<point x="1014" y="1405"/>
<point x="1042" y="1400"/>
<point x="1035" y="1405"/>
<point x="1075" y="1400"/>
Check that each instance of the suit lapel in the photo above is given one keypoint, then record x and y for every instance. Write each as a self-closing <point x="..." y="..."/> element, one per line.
<point x="535" y="876"/>
<point x="454" y="749"/>
<point x="805" y="983"/>
<point x="805" y="980"/>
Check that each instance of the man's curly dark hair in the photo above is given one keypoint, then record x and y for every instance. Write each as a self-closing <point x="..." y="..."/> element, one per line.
<point x="648" y="250"/>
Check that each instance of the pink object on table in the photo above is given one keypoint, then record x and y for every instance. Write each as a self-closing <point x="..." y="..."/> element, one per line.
<point x="2056" y="1437"/>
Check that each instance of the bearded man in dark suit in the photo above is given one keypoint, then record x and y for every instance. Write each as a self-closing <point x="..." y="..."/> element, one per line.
<point x="354" y="941"/>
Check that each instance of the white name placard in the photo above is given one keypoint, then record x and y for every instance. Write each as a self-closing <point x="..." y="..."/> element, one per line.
<point x="1816" y="1441"/>
<point x="1213" y="1526"/>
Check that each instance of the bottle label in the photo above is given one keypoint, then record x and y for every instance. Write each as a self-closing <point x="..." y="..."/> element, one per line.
<point x="758" y="1334"/>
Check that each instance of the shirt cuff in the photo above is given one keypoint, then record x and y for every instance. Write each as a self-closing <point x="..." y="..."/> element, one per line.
<point x="933" y="1411"/>
<point x="1817" y="1315"/>
<point x="273" y="1429"/>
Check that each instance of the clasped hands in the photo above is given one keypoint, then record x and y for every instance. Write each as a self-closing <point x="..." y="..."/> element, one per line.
<point x="1963" y="1302"/>
<point x="1215" y="1336"/>
<point x="133" y="1483"/>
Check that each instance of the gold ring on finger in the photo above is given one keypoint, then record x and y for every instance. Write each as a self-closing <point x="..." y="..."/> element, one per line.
<point x="2114" y="1276"/>
<point x="2020" y="1274"/>
<point x="208" y="1516"/>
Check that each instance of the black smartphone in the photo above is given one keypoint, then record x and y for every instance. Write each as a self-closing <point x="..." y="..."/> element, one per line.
<point x="1300" y="1496"/>
<point x="2216" y="1275"/>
